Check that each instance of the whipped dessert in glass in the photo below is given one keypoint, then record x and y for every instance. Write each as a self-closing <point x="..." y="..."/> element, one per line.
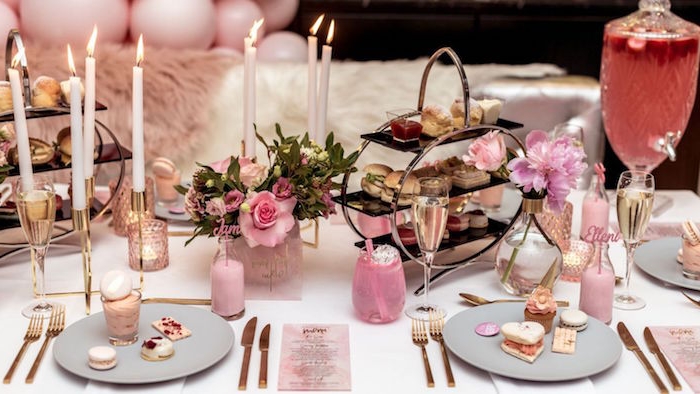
<point x="121" y="305"/>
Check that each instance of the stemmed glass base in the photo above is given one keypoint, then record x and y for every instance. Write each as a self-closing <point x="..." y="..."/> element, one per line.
<point x="628" y="302"/>
<point x="38" y="308"/>
<point x="422" y="311"/>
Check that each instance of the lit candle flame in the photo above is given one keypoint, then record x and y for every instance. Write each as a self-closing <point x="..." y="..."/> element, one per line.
<point x="91" y="42"/>
<point x="18" y="57"/>
<point x="316" y="25"/>
<point x="254" y="30"/>
<point x="71" y="65"/>
<point x="139" y="51"/>
<point x="331" y="29"/>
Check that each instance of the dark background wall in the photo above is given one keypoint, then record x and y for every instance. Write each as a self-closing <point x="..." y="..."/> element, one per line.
<point x="568" y="33"/>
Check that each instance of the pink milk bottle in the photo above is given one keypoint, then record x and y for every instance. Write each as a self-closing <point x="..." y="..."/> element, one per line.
<point x="227" y="286"/>
<point x="595" y="213"/>
<point x="379" y="286"/>
<point x="597" y="285"/>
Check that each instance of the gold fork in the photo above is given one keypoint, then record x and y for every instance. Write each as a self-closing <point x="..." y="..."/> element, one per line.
<point x="36" y="323"/>
<point x="57" y="323"/>
<point x="420" y="339"/>
<point x="437" y="322"/>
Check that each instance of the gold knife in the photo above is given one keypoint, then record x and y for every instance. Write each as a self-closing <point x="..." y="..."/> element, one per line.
<point x="264" y="345"/>
<point x="654" y="349"/>
<point x="631" y="344"/>
<point x="247" y="343"/>
<point x="178" y="301"/>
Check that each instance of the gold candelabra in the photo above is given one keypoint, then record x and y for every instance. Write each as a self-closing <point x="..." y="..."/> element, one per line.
<point x="81" y="224"/>
<point x="138" y="208"/>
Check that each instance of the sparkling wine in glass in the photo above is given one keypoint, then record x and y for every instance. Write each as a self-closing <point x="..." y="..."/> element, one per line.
<point x="635" y="199"/>
<point x="36" y="208"/>
<point x="430" y="207"/>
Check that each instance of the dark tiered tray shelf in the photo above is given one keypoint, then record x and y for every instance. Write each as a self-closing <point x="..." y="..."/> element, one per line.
<point x="39" y="112"/>
<point x="385" y="138"/>
<point x="372" y="206"/>
<point x="455" y="240"/>
<point x="108" y="153"/>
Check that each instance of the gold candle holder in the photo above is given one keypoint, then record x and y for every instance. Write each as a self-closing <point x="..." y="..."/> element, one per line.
<point x="81" y="224"/>
<point x="89" y="191"/>
<point x="138" y="207"/>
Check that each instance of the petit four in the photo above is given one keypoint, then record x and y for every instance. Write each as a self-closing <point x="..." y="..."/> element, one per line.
<point x="392" y="185"/>
<point x="692" y="234"/>
<point x="5" y="96"/>
<point x="157" y="349"/>
<point x="171" y="328"/>
<point x="121" y="306"/>
<point x="469" y="176"/>
<point x="373" y="182"/>
<point x="457" y="223"/>
<point x="564" y="340"/>
<point x="163" y="167"/>
<point x="115" y="285"/>
<point x="102" y="357"/>
<point x="406" y="234"/>
<point x="476" y="113"/>
<point x="477" y="219"/>
<point x="435" y="120"/>
<point x="491" y="109"/>
<point x="450" y="165"/>
<point x="573" y="319"/>
<point x="457" y="111"/>
<point x="541" y="307"/>
<point x="46" y="92"/>
<point x="523" y="340"/>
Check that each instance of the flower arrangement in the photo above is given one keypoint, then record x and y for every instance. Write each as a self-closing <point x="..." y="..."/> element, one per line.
<point x="239" y="197"/>
<point x="548" y="169"/>
<point x="7" y="138"/>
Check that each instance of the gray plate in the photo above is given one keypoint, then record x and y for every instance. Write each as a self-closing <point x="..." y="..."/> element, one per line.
<point x="212" y="338"/>
<point x="658" y="259"/>
<point x="597" y="347"/>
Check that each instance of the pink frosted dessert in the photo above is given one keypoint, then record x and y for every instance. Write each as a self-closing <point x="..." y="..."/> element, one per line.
<point x="121" y="306"/>
<point x="541" y="307"/>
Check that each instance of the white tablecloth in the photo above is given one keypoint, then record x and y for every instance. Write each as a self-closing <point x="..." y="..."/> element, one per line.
<point x="383" y="359"/>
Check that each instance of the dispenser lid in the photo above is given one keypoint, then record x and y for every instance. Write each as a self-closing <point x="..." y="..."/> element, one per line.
<point x="654" y="21"/>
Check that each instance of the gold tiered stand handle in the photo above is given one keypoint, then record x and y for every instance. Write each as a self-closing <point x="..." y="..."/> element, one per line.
<point x="15" y="40"/>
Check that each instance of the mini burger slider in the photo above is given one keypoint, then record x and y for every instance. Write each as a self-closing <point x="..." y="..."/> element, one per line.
<point x="392" y="185"/>
<point x="373" y="182"/>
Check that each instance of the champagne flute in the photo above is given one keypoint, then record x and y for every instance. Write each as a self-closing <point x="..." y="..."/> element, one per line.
<point x="430" y="207"/>
<point x="36" y="207"/>
<point x="635" y="199"/>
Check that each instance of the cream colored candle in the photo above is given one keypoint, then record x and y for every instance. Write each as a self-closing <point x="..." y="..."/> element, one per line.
<point x="89" y="117"/>
<point x="323" y="90"/>
<point x="22" y="134"/>
<point x="138" y="160"/>
<point x="78" y="197"/>
<point x="312" y="92"/>
<point x="249" y="88"/>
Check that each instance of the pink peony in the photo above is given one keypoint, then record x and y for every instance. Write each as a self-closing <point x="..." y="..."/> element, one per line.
<point x="326" y="199"/>
<point x="268" y="221"/>
<point x="487" y="153"/>
<point x="192" y="205"/>
<point x="252" y="174"/>
<point x="233" y="200"/>
<point x="282" y="188"/>
<point x="549" y="168"/>
<point x="216" y="207"/>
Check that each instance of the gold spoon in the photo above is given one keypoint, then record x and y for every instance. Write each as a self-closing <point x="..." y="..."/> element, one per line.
<point x="694" y="301"/>
<point x="476" y="300"/>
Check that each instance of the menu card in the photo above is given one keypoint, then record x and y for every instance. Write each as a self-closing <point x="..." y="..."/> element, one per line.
<point x="315" y="357"/>
<point x="681" y="345"/>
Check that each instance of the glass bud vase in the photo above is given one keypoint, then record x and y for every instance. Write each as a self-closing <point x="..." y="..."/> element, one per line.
<point x="527" y="252"/>
<point x="227" y="282"/>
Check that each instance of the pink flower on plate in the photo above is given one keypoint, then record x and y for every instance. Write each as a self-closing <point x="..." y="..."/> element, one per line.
<point x="233" y="200"/>
<point x="549" y="168"/>
<point x="252" y="174"/>
<point x="268" y="221"/>
<point x="282" y="188"/>
<point x="487" y="153"/>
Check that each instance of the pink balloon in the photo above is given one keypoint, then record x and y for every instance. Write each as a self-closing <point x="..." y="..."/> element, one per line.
<point x="14" y="4"/>
<point x="8" y="19"/>
<point x="234" y="18"/>
<point x="278" y="13"/>
<point x="283" y="46"/>
<point x="174" y="24"/>
<point x="71" y="21"/>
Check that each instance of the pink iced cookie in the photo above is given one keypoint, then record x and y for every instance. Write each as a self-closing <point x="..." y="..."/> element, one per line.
<point x="487" y="329"/>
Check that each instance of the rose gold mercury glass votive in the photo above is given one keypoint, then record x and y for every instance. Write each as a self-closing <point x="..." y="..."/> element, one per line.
<point x="121" y="204"/>
<point x="154" y="235"/>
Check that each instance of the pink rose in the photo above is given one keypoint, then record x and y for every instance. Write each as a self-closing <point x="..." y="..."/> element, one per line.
<point x="487" y="153"/>
<point x="216" y="207"/>
<point x="233" y="200"/>
<point x="282" y="188"/>
<point x="268" y="221"/>
<point x="192" y="204"/>
<point x="221" y="166"/>
<point x="252" y="174"/>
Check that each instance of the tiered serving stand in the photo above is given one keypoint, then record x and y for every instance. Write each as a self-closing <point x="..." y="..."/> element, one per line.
<point x="109" y="151"/>
<point x="374" y="207"/>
